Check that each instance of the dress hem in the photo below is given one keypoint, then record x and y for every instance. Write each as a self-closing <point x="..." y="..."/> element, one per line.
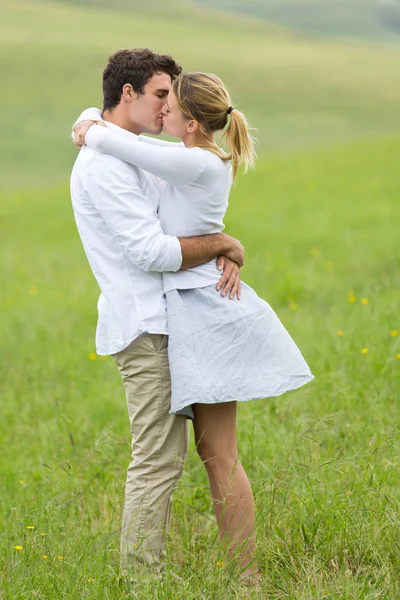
<point x="307" y="379"/>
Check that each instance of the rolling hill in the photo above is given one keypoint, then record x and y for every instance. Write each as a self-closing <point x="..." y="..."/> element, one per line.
<point x="297" y="92"/>
<point x="373" y="19"/>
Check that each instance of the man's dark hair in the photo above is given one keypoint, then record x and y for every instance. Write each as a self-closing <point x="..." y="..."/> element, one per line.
<point x="135" y="66"/>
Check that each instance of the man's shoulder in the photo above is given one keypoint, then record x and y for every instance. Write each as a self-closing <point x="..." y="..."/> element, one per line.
<point x="103" y="163"/>
<point x="91" y="165"/>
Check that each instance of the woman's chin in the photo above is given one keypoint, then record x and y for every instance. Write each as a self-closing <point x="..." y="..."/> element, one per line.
<point x="168" y="131"/>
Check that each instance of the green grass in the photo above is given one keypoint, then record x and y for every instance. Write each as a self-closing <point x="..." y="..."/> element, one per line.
<point x="318" y="221"/>
<point x="323" y="461"/>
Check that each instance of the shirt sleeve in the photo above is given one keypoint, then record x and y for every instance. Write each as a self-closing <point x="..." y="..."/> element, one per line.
<point x="90" y="114"/>
<point x="179" y="165"/>
<point x="94" y="114"/>
<point x="157" y="142"/>
<point x="114" y="191"/>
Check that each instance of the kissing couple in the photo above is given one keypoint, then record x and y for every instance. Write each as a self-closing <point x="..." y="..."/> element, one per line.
<point x="189" y="338"/>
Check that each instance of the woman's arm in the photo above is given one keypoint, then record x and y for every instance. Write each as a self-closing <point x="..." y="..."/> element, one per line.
<point x="158" y="142"/>
<point x="177" y="165"/>
<point x="90" y="114"/>
<point x="94" y="114"/>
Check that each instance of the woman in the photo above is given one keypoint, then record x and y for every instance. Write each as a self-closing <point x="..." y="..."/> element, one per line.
<point x="220" y="352"/>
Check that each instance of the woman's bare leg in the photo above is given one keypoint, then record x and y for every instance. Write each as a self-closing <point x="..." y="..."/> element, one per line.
<point x="215" y="436"/>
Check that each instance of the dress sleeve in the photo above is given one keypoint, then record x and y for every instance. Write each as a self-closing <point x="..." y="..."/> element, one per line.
<point x="94" y="114"/>
<point x="90" y="114"/>
<point x="157" y="142"/>
<point x="179" y="166"/>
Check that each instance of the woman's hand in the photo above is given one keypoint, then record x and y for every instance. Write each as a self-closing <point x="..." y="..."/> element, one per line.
<point x="81" y="130"/>
<point x="230" y="280"/>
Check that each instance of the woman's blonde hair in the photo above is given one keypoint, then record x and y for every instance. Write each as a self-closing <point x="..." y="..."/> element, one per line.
<point x="204" y="98"/>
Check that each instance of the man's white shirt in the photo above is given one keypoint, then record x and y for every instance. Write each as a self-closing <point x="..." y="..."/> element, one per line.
<point x="115" y="207"/>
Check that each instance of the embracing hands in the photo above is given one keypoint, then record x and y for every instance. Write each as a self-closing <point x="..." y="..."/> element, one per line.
<point x="81" y="130"/>
<point x="229" y="263"/>
<point x="230" y="281"/>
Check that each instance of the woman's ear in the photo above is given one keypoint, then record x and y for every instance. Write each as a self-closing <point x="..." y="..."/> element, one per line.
<point x="192" y="126"/>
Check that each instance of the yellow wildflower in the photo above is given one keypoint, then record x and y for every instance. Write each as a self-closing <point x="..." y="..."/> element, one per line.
<point x="364" y="351"/>
<point x="30" y="527"/>
<point x="394" y="332"/>
<point x="42" y="533"/>
<point x="364" y="300"/>
<point x="339" y="332"/>
<point x="91" y="580"/>
<point x="18" y="547"/>
<point x="351" y="298"/>
<point x="44" y="556"/>
<point x="21" y="481"/>
<point x="397" y="355"/>
<point x="59" y="557"/>
<point x="220" y="563"/>
<point x="93" y="356"/>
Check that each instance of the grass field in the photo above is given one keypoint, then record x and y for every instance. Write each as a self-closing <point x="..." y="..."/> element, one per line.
<point x="319" y="221"/>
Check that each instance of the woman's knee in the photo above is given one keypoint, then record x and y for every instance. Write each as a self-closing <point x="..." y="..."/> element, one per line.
<point x="215" y="456"/>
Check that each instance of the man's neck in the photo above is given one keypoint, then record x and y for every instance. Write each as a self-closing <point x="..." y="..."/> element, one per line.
<point x="118" y="118"/>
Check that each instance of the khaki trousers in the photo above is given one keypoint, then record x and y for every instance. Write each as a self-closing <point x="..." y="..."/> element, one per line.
<point x="159" y="448"/>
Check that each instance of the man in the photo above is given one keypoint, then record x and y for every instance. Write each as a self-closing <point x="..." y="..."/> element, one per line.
<point x="115" y="207"/>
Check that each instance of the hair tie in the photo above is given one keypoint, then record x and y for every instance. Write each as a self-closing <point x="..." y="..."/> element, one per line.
<point x="230" y="109"/>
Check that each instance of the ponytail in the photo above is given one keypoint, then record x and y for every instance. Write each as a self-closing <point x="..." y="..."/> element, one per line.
<point x="240" y="142"/>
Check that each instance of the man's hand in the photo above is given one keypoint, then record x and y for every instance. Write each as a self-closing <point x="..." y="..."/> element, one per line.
<point x="230" y="280"/>
<point x="235" y="252"/>
<point x="81" y="130"/>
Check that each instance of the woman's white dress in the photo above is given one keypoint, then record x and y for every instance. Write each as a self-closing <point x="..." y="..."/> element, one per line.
<point x="220" y="350"/>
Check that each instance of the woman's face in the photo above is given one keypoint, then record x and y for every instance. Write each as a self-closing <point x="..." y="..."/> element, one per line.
<point x="175" y="122"/>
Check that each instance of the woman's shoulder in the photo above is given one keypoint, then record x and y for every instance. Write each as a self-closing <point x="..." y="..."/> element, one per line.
<point x="213" y="162"/>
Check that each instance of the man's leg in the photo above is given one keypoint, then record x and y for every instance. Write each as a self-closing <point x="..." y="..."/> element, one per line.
<point x="159" y="447"/>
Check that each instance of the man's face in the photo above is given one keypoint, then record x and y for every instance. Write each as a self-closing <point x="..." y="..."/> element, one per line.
<point x="146" y="110"/>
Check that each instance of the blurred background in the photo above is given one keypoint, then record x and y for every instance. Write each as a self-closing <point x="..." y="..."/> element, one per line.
<point x="307" y="72"/>
<point x="319" y="80"/>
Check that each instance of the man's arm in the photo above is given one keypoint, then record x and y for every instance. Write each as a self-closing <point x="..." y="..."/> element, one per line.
<point x="202" y="249"/>
<point x="230" y="255"/>
<point x="113" y="188"/>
